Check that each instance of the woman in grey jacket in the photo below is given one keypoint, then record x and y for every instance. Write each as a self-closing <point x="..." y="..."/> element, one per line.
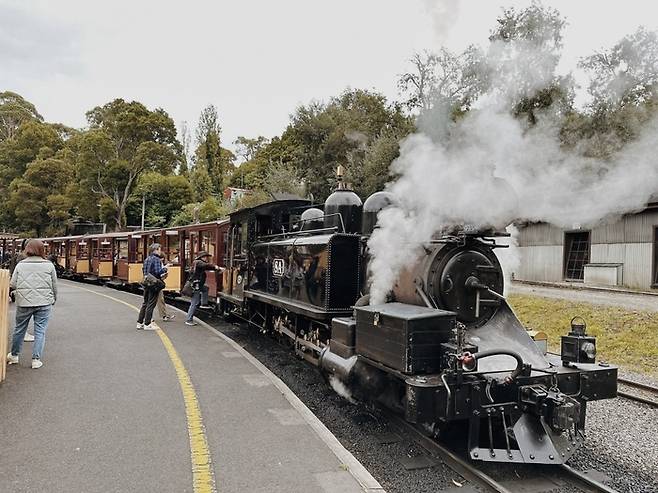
<point x="35" y="283"/>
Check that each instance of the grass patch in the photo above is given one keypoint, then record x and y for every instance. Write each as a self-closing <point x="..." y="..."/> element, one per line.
<point x="626" y="338"/>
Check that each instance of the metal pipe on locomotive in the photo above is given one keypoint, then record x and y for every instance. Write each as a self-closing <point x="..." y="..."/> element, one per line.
<point x="447" y="351"/>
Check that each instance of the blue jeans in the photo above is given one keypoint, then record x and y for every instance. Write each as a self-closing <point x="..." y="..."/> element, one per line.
<point x="199" y="297"/>
<point x="41" y="316"/>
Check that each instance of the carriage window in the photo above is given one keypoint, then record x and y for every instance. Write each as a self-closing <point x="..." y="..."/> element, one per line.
<point x="83" y="250"/>
<point x="208" y="242"/>
<point x="105" y="251"/>
<point x="139" y="252"/>
<point x="173" y="248"/>
<point x="122" y="249"/>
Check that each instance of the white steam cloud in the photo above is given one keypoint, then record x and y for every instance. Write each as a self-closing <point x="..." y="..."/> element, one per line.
<point x="341" y="389"/>
<point x="491" y="169"/>
<point x="444" y="15"/>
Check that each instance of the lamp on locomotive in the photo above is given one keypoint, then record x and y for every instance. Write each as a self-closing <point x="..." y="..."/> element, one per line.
<point x="578" y="347"/>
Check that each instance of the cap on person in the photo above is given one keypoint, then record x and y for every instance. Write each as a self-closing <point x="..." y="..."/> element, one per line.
<point x="202" y="254"/>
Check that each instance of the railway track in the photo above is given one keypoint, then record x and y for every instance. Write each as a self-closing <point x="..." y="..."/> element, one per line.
<point x="638" y="392"/>
<point x="484" y="481"/>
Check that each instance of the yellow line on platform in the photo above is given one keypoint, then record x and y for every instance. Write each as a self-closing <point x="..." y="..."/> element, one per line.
<point x="202" y="470"/>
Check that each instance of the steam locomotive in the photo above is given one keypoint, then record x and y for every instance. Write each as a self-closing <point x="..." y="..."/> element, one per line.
<point x="446" y="350"/>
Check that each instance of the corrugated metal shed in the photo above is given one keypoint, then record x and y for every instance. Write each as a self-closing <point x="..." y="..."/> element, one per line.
<point x="630" y="240"/>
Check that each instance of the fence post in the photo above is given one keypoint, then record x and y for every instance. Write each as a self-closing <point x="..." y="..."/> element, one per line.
<point x="4" y="321"/>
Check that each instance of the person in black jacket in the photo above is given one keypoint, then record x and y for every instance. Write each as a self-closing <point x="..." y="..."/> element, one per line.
<point x="198" y="281"/>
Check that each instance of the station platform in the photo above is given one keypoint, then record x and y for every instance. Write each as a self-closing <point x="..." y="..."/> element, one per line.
<point x="180" y="409"/>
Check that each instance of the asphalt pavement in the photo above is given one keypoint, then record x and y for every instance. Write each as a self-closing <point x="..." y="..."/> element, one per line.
<point x="106" y="412"/>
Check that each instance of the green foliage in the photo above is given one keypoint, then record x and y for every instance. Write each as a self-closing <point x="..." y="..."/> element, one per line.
<point x="210" y="209"/>
<point x="257" y="197"/>
<point x="626" y="74"/>
<point x="125" y="140"/>
<point x="325" y="136"/>
<point x="444" y="78"/>
<point x="247" y="148"/>
<point x="165" y="197"/>
<point x="283" y="178"/>
<point x="370" y="175"/>
<point x="14" y="111"/>
<point x="536" y="34"/>
<point x="209" y="153"/>
<point x="201" y="183"/>
<point x="42" y="185"/>
<point x="539" y="25"/>
<point x="31" y="140"/>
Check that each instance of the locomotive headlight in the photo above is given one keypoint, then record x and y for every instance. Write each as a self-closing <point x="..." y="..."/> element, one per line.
<point x="588" y="349"/>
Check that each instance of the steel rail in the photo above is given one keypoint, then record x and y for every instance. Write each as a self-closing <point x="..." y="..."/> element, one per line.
<point x="643" y="387"/>
<point x="592" y="485"/>
<point x="638" y="385"/>
<point x="461" y="466"/>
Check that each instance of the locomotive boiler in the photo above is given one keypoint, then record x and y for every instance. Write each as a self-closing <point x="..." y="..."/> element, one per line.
<point x="446" y="350"/>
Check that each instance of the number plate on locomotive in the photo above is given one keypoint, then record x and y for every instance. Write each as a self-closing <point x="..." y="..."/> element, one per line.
<point x="278" y="267"/>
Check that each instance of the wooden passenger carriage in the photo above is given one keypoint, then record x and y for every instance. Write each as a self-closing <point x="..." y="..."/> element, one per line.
<point x="119" y="257"/>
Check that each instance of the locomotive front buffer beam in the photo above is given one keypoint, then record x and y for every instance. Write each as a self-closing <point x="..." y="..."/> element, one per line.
<point x="538" y="418"/>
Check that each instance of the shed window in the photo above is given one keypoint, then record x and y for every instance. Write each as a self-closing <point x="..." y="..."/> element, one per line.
<point x="576" y="255"/>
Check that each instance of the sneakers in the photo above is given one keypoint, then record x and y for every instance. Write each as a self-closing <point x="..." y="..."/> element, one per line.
<point x="205" y="307"/>
<point x="140" y="326"/>
<point x="13" y="360"/>
<point x="28" y="337"/>
<point x="150" y="327"/>
<point x="190" y="322"/>
<point x="167" y="318"/>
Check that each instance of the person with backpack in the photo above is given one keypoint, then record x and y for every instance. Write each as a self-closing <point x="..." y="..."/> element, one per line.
<point x="152" y="283"/>
<point x="198" y="282"/>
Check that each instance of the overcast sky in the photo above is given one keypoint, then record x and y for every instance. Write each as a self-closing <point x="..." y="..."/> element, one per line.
<point x="255" y="60"/>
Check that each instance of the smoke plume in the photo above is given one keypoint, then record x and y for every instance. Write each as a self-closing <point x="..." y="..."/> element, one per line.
<point x="490" y="169"/>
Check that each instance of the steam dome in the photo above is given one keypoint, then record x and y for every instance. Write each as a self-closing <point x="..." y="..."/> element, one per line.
<point x="311" y="219"/>
<point x="373" y="204"/>
<point x="348" y="205"/>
